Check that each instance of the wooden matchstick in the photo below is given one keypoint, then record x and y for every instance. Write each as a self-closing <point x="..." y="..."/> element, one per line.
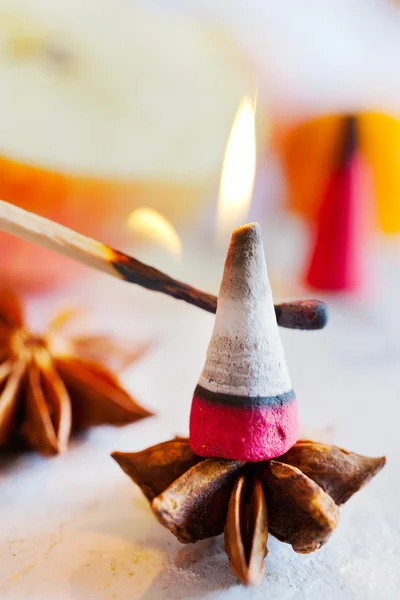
<point x="301" y="314"/>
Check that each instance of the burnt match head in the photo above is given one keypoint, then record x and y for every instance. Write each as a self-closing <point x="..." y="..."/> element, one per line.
<point x="244" y="406"/>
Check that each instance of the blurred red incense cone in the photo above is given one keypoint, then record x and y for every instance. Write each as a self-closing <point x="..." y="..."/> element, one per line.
<point x="244" y="407"/>
<point x="337" y="256"/>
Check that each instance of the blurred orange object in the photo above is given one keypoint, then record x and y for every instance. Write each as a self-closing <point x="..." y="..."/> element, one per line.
<point x="95" y="207"/>
<point x="380" y="144"/>
<point x="308" y="151"/>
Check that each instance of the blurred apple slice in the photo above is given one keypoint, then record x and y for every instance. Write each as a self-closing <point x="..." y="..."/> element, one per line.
<point x="106" y="105"/>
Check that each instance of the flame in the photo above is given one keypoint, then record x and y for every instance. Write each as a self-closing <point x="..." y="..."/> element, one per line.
<point x="238" y="171"/>
<point x="151" y="226"/>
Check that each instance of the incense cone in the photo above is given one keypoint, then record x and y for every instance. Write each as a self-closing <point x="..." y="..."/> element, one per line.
<point x="244" y="407"/>
<point x="336" y="262"/>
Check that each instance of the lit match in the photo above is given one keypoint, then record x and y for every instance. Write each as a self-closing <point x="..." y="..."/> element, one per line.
<point x="301" y="314"/>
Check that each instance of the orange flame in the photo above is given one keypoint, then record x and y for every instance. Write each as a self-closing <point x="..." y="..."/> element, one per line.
<point x="238" y="172"/>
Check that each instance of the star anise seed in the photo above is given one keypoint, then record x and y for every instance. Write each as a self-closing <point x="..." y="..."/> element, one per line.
<point x="50" y="385"/>
<point x="294" y="497"/>
<point x="246" y="531"/>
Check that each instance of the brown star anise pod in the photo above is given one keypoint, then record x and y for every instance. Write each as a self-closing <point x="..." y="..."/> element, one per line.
<point x="51" y="385"/>
<point x="295" y="497"/>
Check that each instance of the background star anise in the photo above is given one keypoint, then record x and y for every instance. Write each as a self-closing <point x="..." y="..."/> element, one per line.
<point x="51" y="385"/>
<point x="295" y="497"/>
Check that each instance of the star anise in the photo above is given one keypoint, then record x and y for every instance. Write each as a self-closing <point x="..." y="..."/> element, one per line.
<point x="51" y="385"/>
<point x="295" y="497"/>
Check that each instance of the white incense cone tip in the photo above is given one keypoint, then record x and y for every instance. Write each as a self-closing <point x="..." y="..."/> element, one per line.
<point x="243" y="239"/>
<point x="245" y="273"/>
<point x="244" y="231"/>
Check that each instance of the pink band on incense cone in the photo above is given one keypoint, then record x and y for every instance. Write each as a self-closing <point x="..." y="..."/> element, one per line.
<point x="243" y="428"/>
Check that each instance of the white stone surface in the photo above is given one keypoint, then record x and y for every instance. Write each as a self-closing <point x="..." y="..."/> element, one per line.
<point x="75" y="527"/>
